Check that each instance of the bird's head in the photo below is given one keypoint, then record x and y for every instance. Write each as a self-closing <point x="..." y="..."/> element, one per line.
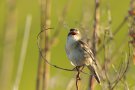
<point x="74" y="34"/>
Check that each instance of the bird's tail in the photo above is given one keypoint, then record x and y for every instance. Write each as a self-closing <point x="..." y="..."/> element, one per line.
<point x="94" y="72"/>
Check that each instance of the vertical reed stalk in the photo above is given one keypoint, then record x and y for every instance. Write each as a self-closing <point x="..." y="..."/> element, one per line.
<point x="23" y="53"/>
<point x="95" y="37"/>
<point x="132" y="23"/>
<point x="44" y="68"/>
<point x="9" y="45"/>
<point x="96" y="26"/>
<point x="46" y="73"/>
<point x="39" y="82"/>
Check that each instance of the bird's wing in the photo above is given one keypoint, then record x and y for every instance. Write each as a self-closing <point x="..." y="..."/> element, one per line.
<point x="92" y="67"/>
<point x="86" y="48"/>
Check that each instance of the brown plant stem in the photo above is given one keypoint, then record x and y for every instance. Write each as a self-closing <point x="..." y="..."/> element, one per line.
<point x="91" y="83"/>
<point x="77" y="80"/>
<point x="96" y="26"/>
<point x="132" y="26"/>
<point x="95" y="37"/>
<point x="46" y="67"/>
<point x="41" y="45"/>
<point x="39" y="73"/>
<point x="79" y="69"/>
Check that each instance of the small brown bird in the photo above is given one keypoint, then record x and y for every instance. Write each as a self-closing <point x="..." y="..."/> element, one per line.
<point x="79" y="53"/>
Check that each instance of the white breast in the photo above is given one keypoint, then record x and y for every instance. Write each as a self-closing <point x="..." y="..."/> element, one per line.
<point x="76" y="56"/>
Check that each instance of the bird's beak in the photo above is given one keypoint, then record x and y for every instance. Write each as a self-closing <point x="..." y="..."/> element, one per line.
<point x="72" y="33"/>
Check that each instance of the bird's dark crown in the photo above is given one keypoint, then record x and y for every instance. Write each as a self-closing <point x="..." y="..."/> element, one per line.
<point x="73" y="29"/>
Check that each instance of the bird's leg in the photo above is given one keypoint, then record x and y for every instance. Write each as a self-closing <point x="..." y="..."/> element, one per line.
<point x="81" y="68"/>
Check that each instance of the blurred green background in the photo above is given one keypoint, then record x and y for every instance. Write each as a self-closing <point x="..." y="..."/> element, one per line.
<point x="59" y="79"/>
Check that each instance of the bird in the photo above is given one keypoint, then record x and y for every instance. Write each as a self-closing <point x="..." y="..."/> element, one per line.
<point x="79" y="53"/>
